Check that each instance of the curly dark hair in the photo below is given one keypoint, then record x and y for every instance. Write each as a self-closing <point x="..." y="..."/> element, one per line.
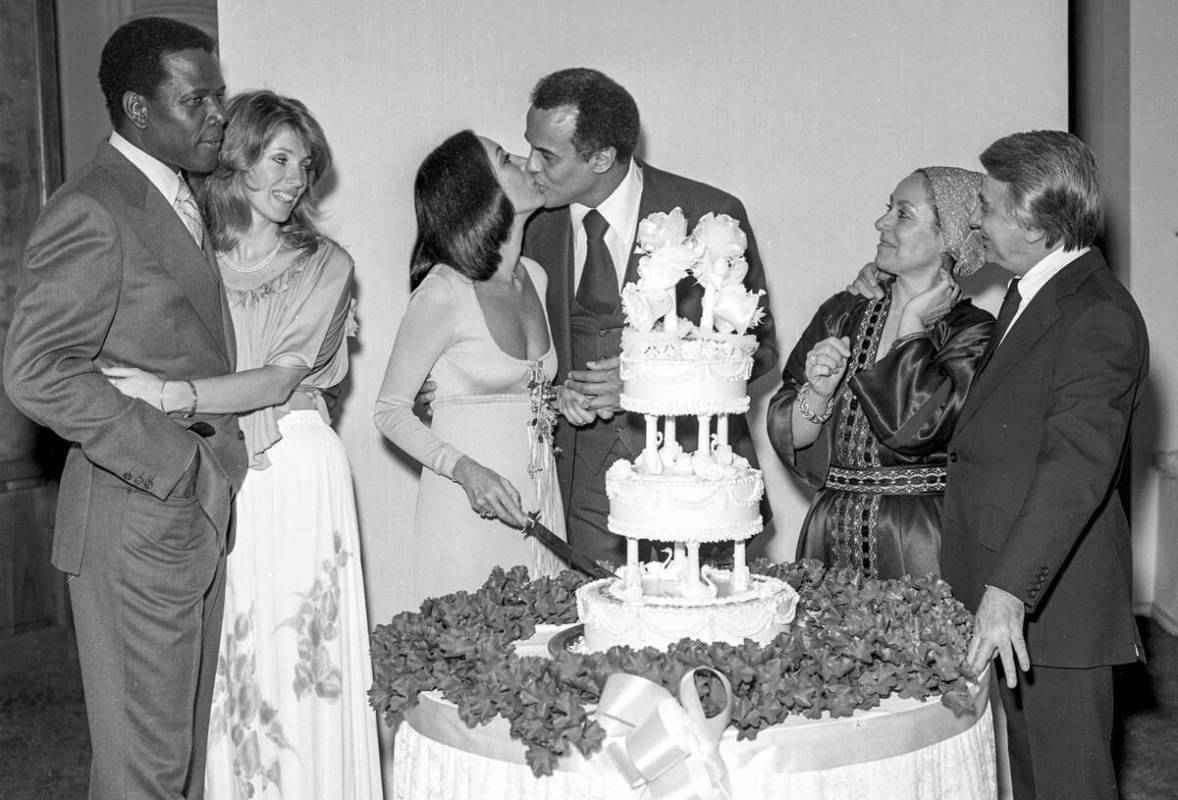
<point x="132" y="58"/>
<point x="254" y="119"/>
<point x="463" y="214"/>
<point x="607" y="115"/>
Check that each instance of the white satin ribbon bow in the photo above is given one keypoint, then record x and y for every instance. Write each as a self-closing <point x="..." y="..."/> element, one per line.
<point x="670" y="749"/>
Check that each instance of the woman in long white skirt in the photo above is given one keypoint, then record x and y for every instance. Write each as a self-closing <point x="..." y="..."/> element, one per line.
<point x="290" y="717"/>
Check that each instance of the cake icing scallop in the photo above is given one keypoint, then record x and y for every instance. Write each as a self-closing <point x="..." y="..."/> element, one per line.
<point x="672" y="367"/>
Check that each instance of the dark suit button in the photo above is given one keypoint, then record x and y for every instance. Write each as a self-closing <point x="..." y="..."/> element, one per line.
<point x="241" y="435"/>
<point x="953" y="458"/>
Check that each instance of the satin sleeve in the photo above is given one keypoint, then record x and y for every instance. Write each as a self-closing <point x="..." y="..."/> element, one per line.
<point x="912" y="396"/>
<point x="835" y="317"/>
<point x="427" y="330"/>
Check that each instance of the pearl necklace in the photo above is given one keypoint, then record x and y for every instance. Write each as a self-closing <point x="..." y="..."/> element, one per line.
<point x="236" y="267"/>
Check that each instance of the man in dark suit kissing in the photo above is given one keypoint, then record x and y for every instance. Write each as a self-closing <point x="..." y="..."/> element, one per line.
<point x="583" y="128"/>
<point x="1036" y="541"/>
<point x="119" y="272"/>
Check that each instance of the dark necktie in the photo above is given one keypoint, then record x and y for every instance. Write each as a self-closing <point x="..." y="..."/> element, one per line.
<point x="1010" y="304"/>
<point x="598" y="290"/>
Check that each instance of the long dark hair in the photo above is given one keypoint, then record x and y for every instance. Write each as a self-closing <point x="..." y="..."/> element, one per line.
<point x="463" y="215"/>
<point x="255" y="118"/>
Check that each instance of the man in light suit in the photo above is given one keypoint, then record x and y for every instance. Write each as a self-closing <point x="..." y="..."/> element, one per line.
<point x="583" y="129"/>
<point x="1036" y="541"/>
<point x="119" y="272"/>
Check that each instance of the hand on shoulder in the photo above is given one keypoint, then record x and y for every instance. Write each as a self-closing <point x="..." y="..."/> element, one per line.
<point x="867" y="282"/>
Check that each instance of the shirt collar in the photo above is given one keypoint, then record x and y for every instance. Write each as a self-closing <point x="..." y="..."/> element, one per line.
<point x="161" y="175"/>
<point x="620" y="209"/>
<point x="1047" y="268"/>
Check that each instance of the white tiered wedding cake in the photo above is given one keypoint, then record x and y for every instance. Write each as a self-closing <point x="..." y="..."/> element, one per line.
<point x="672" y="368"/>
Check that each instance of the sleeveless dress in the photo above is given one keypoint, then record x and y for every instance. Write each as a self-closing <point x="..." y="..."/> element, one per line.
<point x="489" y="406"/>
<point x="290" y="717"/>
<point x="879" y="462"/>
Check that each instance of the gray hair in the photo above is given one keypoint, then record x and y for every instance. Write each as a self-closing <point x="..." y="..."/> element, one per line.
<point x="1054" y="185"/>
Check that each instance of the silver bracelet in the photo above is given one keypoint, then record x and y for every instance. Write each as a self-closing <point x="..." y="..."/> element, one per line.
<point x="188" y="412"/>
<point x="804" y="406"/>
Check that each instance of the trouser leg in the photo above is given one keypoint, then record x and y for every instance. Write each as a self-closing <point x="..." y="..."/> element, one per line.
<point x="141" y="606"/>
<point x="1060" y="723"/>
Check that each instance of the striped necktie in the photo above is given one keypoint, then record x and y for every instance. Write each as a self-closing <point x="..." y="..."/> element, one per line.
<point x="185" y="206"/>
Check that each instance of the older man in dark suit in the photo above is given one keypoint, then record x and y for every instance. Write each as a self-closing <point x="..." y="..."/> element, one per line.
<point x="118" y="272"/>
<point x="583" y="129"/>
<point x="1036" y="541"/>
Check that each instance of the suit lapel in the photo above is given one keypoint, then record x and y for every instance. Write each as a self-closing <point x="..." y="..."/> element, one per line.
<point x="553" y="249"/>
<point x="1036" y="319"/>
<point x="1039" y="315"/>
<point x="161" y="232"/>
<point x="654" y="198"/>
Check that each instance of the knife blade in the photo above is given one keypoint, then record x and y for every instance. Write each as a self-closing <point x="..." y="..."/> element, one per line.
<point x="563" y="550"/>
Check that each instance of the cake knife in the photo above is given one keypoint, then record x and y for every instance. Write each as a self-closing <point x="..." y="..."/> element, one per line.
<point x="562" y="549"/>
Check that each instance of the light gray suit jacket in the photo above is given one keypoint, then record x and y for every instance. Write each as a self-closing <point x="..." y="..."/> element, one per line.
<point x="112" y="277"/>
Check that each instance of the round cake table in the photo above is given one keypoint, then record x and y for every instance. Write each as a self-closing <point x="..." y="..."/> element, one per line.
<point x="903" y="749"/>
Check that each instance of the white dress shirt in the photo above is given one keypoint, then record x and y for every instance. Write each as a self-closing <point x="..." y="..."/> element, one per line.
<point x="620" y="210"/>
<point x="1038" y="276"/>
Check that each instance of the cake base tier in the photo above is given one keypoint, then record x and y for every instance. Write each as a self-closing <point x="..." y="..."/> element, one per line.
<point x="759" y="614"/>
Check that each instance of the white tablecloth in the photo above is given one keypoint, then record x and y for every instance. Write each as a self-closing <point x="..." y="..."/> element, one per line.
<point x="904" y="749"/>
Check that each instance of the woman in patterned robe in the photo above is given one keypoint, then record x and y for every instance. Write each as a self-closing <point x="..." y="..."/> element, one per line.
<point x="872" y="389"/>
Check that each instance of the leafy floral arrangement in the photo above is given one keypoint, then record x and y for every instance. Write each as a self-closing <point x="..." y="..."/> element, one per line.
<point x="856" y="641"/>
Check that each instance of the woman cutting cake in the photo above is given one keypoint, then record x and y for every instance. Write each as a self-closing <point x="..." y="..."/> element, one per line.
<point x="476" y="326"/>
<point x="873" y="387"/>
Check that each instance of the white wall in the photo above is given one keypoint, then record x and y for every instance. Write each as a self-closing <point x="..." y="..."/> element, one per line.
<point x="810" y="112"/>
<point x="1153" y="279"/>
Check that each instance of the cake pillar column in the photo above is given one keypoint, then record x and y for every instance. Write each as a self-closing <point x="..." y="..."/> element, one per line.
<point x="703" y="445"/>
<point x="721" y="429"/>
<point x="650" y="456"/>
<point x="693" y="583"/>
<point x="740" y="571"/>
<point x="633" y="568"/>
<point x="708" y="310"/>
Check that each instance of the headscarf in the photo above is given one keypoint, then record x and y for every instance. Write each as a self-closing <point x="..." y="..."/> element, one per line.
<point x="955" y="195"/>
